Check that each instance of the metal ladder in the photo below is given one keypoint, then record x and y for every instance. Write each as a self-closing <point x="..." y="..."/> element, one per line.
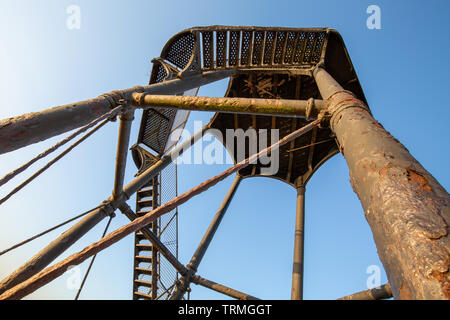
<point x="145" y="269"/>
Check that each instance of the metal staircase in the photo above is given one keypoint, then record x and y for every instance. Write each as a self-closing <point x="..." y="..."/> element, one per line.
<point x="145" y="275"/>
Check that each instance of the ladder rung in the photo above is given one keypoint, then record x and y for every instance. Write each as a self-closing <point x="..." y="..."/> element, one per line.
<point x="145" y="193"/>
<point x="143" y="258"/>
<point x="141" y="213"/>
<point x="145" y="204"/>
<point x="143" y="295"/>
<point x="144" y="247"/>
<point x="150" y="184"/>
<point x="144" y="271"/>
<point x="143" y="283"/>
<point x="141" y="235"/>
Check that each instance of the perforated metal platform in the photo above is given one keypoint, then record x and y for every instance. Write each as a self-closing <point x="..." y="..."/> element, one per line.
<point x="271" y="63"/>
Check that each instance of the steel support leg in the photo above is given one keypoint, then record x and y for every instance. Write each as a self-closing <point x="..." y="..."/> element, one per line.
<point x="126" y="120"/>
<point x="297" y="270"/>
<point x="184" y="282"/>
<point x="47" y="275"/>
<point x="405" y="206"/>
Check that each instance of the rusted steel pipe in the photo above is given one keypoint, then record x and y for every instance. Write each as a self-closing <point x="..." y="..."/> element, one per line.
<point x="378" y="293"/>
<point x="126" y="120"/>
<point x="222" y="289"/>
<point x="20" y="131"/>
<point x="47" y="275"/>
<point x="44" y="257"/>
<point x="299" y="239"/>
<point x="279" y="107"/>
<point x="156" y="242"/>
<point x="405" y="206"/>
<point x="192" y="267"/>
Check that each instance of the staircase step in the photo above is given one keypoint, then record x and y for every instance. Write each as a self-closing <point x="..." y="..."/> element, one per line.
<point x="143" y="295"/>
<point x="145" y="204"/>
<point x="143" y="258"/>
<point x="143" y="271"/>
<point x="143" y="283"/>
<point x="150" y="184"/>
<point x="144" y="247"/>
<point x="141" y="213"/>
<point x="141" y="235"/>
<point x="145" y="193"/>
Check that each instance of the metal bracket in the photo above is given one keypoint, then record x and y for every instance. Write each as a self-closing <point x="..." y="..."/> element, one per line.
<point x="171" y="71"/>
<point x="194" y="66"/>
<point x="108" y="209"/>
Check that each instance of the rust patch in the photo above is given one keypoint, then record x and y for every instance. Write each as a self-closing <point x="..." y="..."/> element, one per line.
<point x="443" y="277"/>
<point x="18" y="135"/>
<point x="447" y="290"/>
<point x="385" y="169"/>
<point x="377" y="124"/>
<point x="418" y="178"/>
<point x="364" y="132"/>
<point x="438" y="275"/>
<point x="405" y="292"/>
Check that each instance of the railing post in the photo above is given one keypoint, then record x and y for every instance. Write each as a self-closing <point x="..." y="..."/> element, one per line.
<point x="297" y="269"/>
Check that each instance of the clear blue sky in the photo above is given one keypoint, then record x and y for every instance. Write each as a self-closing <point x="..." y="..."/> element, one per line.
<point x="403" y="69"/>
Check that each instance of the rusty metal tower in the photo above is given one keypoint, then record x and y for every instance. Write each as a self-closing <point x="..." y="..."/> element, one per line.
<point x="298" y="81"/>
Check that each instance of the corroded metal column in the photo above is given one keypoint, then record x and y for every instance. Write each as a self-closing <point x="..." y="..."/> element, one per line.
<point x="405" y="206"/>
<point x="192" y="267"/>
<point x="297" y="269"/>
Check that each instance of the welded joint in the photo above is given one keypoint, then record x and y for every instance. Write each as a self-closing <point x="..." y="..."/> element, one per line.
<point x="311" y="109"/>
<point x="324" y="116"/>
<point x="183" y="284"/>
<point x="115" y="98"/>
<point x="335" y="104"/>
<point x="320" y="64"/>
<point x="170" y="70"/>
<point x="127" y="112"/>
<point x="108" y="209"/>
